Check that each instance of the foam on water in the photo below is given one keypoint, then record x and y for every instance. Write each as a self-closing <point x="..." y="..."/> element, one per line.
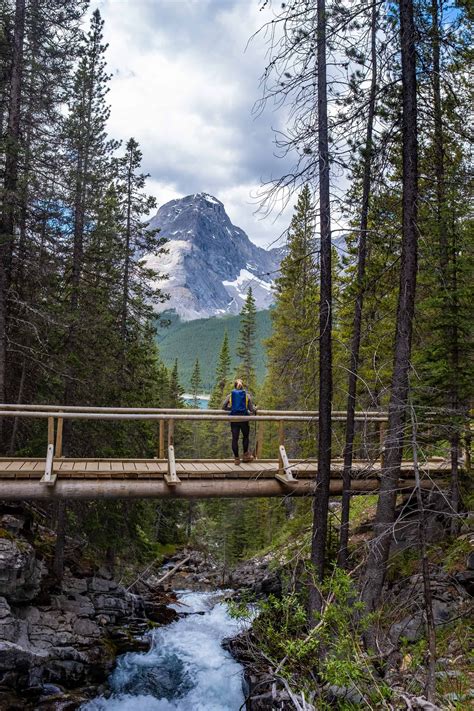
<point x="186" y="668"/>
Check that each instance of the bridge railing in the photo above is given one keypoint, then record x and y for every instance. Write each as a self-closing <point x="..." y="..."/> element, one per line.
<point x="57" y="414"/>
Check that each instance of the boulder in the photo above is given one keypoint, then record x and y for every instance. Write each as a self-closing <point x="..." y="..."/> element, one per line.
<point x="408" y="596"/>
<point x="8" y="623"/>
<point x="20" y="572"/>
<point x="13" y="524"/>
<point x="73" y="586"/>
<point x="102" y="585"/>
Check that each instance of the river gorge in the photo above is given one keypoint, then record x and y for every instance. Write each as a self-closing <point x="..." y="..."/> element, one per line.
<point x="186" y="667"/>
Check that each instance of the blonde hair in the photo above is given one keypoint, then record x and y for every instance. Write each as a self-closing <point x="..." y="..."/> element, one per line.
<point x="238" y="384"/>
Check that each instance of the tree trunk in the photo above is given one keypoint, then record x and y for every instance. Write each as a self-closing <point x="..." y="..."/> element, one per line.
<point x="58" y="562"/>
<point x="21" y="387"/>
<point x="10" y="186"/>
<point x="453" y="336"/>
<point x="447" y="270"/>
<point x="385" y="515"/>
<point x="321" y="499"/>
<point x="428" y="598"/>
<point x="356" y="335"/>
<point x="126" y="271"/>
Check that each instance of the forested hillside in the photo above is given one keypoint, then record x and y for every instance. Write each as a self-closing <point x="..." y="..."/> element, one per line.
<point x="188" y="340"/>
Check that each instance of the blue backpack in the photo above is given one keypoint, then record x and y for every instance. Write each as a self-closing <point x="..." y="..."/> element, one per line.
<point x="239" y="401"/>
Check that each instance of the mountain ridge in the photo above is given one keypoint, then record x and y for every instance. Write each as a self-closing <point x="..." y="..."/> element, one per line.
<point x="210" y="262"/>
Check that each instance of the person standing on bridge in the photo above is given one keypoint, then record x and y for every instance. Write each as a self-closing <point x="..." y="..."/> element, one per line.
<point x="239" y="402"/>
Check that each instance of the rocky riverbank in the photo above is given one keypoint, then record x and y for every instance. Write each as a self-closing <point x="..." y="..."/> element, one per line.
<point x="59" y="641"/>
<point x="399" y="639"/>
<point x="200" y="572"/>
<point x="401" y="629"/>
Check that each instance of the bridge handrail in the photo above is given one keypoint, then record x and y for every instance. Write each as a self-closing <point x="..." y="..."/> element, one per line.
<point x="57" y="414"/>
<point x="367" y="415"/>
<point x="7" y="410"/>
<point x="180" y="415"/>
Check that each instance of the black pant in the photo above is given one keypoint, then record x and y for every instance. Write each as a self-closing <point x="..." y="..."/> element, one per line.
<point x="237" y="428"/>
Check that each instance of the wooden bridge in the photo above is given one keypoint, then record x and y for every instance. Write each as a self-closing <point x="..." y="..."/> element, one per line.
<point x="166" y="476"/>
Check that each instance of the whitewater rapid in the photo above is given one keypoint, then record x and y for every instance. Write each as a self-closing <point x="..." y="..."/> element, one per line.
<point x="186" y="668"/>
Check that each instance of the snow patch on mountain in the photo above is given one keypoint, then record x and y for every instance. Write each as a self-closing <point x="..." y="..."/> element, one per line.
<point x="238" y="288"/>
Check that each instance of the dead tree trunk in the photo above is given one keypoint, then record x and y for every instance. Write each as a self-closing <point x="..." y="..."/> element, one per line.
<point x="356" y="334"/>
<point x="384" y="519"/>
<point x="321" y="499"/>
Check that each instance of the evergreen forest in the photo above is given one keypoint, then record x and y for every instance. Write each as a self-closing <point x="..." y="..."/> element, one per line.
<point x="378" y="130"/>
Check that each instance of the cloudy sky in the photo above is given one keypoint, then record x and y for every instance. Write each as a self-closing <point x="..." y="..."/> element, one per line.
<point x="184" y="84"/>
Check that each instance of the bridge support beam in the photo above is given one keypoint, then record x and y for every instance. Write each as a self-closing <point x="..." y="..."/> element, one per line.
<point x="49" y="477"/>
<point x="284" y="474"/>
<point x="188" y="489"/>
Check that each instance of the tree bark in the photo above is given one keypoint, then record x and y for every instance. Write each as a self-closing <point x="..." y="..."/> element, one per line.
<point x="126" y="271"/>
<point x="447" y="261"/>
<point x="430" y="688"/>
<point x="321" y="499"/>
<point x="21" y="387"/>
<point x="58" y="562"/>
<point x="10" y="186"/>
<point x="356" y="334"/>
<point x="385" y="515"/>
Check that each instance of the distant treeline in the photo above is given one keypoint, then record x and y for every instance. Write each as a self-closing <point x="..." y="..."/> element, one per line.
<point x="202" y="338"/>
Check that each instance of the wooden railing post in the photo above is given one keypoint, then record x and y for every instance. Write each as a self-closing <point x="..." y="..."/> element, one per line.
<point x="281" y="443"/>
<point x="171" y="477"/>
<point x="161" y="441"/>
<point x="58" y="451"/>
<point x="284" y="474"/>
<point x="259" y="442"/>
<point x="170" y="433"/>
<point x="49" y="477"/>
<point x="51" y="430"/>
<point x="382" y="432"/>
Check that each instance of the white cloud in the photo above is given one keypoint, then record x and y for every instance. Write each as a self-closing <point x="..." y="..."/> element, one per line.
<point x="184" y="85"/>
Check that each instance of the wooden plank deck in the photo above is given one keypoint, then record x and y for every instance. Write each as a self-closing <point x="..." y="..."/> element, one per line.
<point x="33" y="468"/>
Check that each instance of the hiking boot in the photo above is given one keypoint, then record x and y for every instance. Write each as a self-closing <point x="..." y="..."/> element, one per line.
<point x="247" y="457"/>
<point x="236" y="460"/>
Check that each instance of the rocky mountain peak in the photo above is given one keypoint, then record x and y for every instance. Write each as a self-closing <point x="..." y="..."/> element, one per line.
<point x="210" y="262"/>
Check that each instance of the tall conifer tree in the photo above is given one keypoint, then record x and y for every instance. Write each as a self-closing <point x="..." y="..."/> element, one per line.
<point x="222" y="374"/>
<point x="247" y="342"/>
<point x="292" y="348"/>
<point x="196" y="382"/>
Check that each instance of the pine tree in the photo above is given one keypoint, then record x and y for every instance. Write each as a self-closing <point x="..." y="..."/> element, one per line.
<point x="138" y="295"/>
<point x="247" y="342"/>
<point x="89" y="176"/>
<point x="9" y="195"/>
<point x="367" y="180"/>
<point x="196" y="382"/>
<point x="292" y="348"/>
<point x="175" y="388"/>
<point x="379" y="551"/>
<point x="222" y="374"/>
<point x="217" y="436"/>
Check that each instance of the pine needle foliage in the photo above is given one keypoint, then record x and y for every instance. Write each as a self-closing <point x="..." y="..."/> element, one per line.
<point x="247" y="342"/>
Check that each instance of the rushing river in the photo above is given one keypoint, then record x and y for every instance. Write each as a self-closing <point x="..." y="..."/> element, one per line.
<point x="186" y="668"/>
